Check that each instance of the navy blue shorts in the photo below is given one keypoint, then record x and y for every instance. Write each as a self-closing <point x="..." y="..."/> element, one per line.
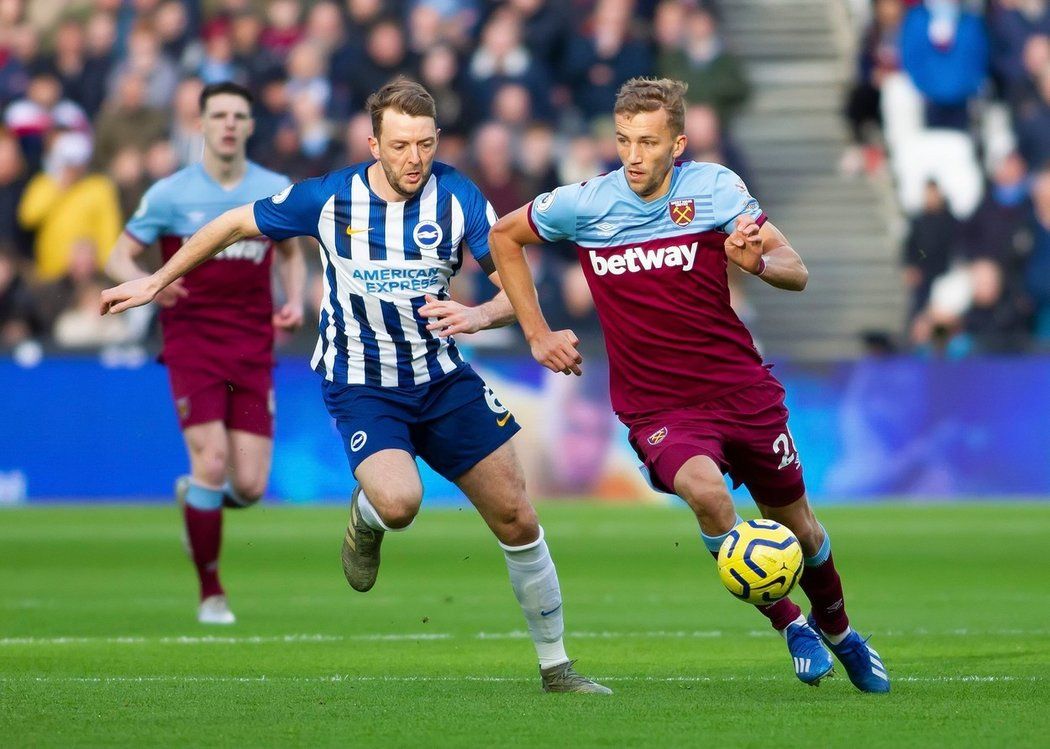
<point x="452" y="423"/>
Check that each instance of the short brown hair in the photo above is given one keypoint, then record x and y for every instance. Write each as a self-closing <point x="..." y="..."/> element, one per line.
<point x="651" y="94"/>
<point x="401" y="95"/>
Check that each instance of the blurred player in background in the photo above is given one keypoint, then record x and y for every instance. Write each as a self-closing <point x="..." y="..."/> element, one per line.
<point x="654" y="239"/>
<point x="218" y="326"/>
<point x="392" y="233"/>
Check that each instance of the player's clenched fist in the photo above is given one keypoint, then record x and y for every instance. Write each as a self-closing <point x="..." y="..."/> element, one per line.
<point x="744" y="245"/>
<point x="127" y="295"/>
<point x="556" y="350"/>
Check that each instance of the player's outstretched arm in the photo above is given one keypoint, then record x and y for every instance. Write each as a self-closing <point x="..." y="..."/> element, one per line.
<point x="122" y="267"/>
<point x="291" y="269"/>
<point x="765" y="252"/>
<point x="232" y="226"/>
<point x="554" y="349"/>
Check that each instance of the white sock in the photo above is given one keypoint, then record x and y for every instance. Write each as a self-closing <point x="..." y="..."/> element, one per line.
<point x="371" y="517"/>
<point x="836" y="639"/>
<point x="798" y="620"/>
<point x="535" y="583"/>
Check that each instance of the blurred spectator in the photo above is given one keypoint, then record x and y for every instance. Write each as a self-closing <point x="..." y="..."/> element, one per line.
<point x="16" y="301"/>
<point x="271" y="109"/>
<point x="215" y="60"/>
<point x="355" y="141"/>
<point x="537" y="160"/>
<point x="581" y="162"/>
<point x="1014" y="26"/>
<point x="282" y="30"/>
<point x="186" y="137"/>
<point x="128" y="172"/>
<point x="1033" y="122"/>
<point x="385" y="57"/>
<point x="128" y="120"/>
<point x="708" y="142"/>
<point x="999" y="228"/>
<point x="715" y="76"/>
<point x="79" y="325"/>
<point x="603" y="56"/>
<point x="944" y="50"/>
<point x="501" y="57"/>
<point x="495" y="173"/>
<point x="18" y="50"/>
<point x="929" y="248"/>
<point x="65" y="204"/>
<point x="439" y="73"/>
<point x="100" y="38"/>
<point x="317" y="148"/>
<point x="171" y="22"/>
<point x="879" y="57"/>
<point x="512" y="106"/>
<point x="257" y="63"/>
<point x="161" y="160"/>
<point x="997" y="321"/>
<point x="43" y="110"/>
<point x="68" y="62"/>
<point x="13" y="179"/>
<point x="307" y="75"/>
<point x="545" y="27"/>
<point x="1038" y="274"/>
<point x="146" y="61"/>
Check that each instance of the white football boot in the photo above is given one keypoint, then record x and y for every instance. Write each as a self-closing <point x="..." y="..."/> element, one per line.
<point x="215" y="610"/>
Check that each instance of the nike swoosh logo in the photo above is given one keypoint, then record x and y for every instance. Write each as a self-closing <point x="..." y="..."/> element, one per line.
<point x="503" y="422"/>
<point x="548" y="613"/>
<point x="350" y="231"/>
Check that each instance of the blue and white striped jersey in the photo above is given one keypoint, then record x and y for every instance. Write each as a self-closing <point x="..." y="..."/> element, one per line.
<point x="379" y="260"/>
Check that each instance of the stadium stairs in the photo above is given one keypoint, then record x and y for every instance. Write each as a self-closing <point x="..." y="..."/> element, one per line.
<point x="801" y="58"/>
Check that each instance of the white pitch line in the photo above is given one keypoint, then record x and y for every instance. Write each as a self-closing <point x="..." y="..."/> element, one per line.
<point x="440" y="636"/>
<point x="347" y="678"/>
<point x="218" y="640"/>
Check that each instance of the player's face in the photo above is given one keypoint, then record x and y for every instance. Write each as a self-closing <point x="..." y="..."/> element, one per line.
<point x="227" y="124"/>
<point x="405" y="149"/>
<point x="647" y="147"/>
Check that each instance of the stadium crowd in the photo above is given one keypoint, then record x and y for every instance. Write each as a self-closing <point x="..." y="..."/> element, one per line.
<point x="954" y="98"/>
<point x="99" y="100"/>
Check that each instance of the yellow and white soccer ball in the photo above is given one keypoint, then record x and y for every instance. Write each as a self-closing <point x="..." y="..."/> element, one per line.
<point x="760" y="561"/>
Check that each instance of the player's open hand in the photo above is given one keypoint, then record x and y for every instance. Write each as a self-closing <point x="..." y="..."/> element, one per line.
<point x="172" y="293"/>
<point x="127" y="295"/>
<point x="744" y="245"/>
<point x="556" y="350"/>
<point x="451" y="317"/>
<point x="289" y="316"/>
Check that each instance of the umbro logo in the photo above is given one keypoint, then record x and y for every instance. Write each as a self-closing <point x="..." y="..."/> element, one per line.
<point x="606" y="228"/>
<point x="195" y="217"/>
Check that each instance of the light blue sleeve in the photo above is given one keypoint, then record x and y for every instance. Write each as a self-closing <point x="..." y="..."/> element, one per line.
<point x="153" y="217"/>
<point x="293" y="212"/>
<point x="732" y="199"/>
<point x="553" y="214"/>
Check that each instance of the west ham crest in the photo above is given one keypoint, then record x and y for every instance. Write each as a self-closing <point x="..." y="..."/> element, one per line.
<point x="682" y="211"/>
<point x="658" y="436"/>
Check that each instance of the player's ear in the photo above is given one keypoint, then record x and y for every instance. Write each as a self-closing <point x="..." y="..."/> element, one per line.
<point x="679" y="145"/>
<point x="373" y="146"/>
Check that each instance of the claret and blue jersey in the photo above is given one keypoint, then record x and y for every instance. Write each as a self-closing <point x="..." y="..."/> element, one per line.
<point x="657" y="272"/>
<point x="379" y="261"/>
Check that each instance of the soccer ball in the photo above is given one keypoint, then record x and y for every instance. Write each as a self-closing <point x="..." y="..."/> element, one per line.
<point x="760" y="561"/>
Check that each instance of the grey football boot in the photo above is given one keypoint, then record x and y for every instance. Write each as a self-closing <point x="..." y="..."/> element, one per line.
<point x="360" y="549"/>
<point x="564" y="678"/>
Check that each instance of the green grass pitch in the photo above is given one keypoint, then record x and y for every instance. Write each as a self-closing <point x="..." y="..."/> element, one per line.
<point x="99" y="645"/>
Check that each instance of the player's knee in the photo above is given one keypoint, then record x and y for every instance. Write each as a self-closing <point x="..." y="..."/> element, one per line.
<point x="708" y="498"/>
<point x="397" y="506"/>
<point x="209" y="465"/>
<point x="249" y="489"/>
<point x="516" y="525"/>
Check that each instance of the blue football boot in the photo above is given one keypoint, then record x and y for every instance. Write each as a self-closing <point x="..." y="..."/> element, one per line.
<point x="863" y="665"/>
<point x="812" y="660"/>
